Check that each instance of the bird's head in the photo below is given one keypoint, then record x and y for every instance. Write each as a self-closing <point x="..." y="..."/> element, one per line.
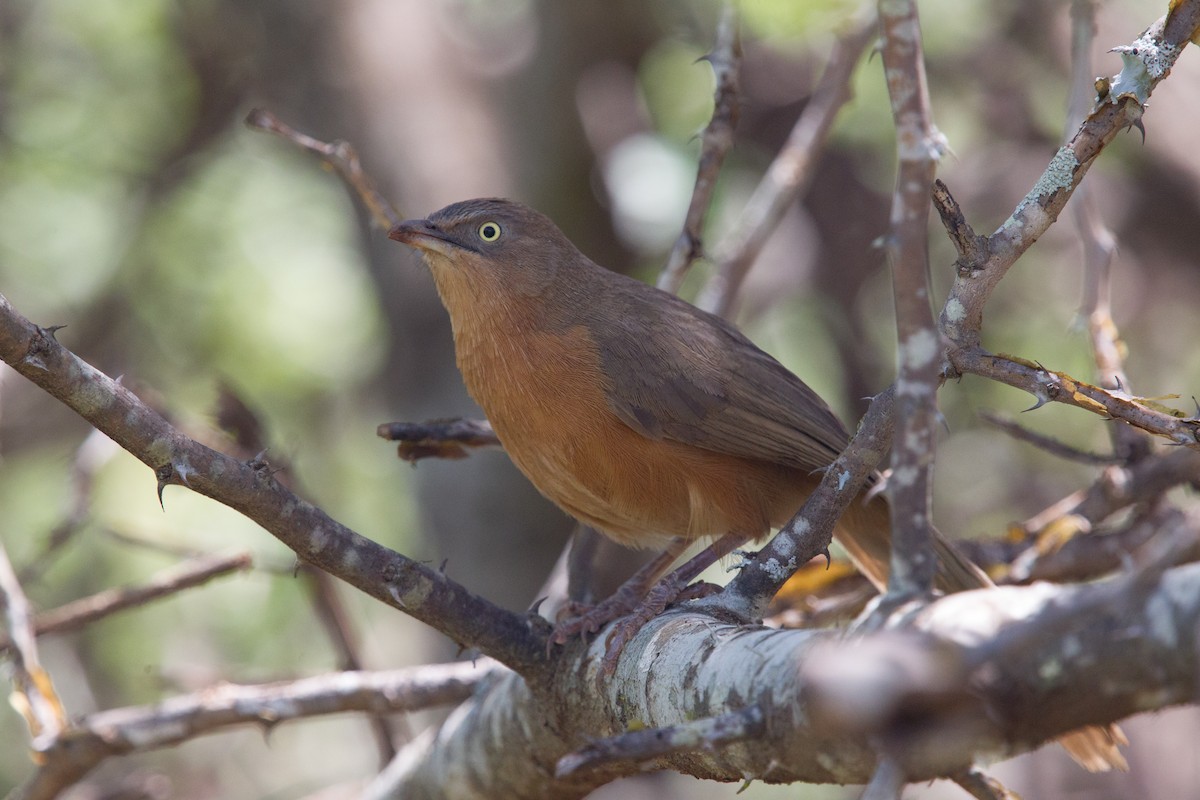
<point x="489" y="245"/>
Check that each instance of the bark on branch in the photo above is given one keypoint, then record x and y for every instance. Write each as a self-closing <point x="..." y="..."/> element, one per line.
<point x="977" y="675"/>
<point x="1148" y="60"/>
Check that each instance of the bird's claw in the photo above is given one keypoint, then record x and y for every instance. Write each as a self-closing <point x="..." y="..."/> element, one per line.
<point x="665" y="592"/>
<point x="628" y="614"/>
<point x="582" y="620"/>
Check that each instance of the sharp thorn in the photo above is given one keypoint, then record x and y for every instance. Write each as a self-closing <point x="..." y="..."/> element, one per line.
<point x="163" y="475"/>
<point x="1041" y="401"/>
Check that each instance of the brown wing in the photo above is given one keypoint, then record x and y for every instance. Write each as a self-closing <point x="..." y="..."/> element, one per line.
<point x="695" y="379"/>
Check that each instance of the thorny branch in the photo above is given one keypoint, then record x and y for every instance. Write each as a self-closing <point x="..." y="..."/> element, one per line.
<point x="715" y="142"/>
<point x="1048" y="385"/>
<point x="810" y="531"/>
<point x="252" y="489"/>
<point x="1148" y="62"/>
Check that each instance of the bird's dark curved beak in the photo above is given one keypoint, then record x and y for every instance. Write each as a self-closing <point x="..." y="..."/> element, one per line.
<point x="423" y="235"/>
<point x="410" y="229"/>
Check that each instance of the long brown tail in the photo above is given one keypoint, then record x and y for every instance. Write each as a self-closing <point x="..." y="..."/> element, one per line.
<point x="865" y="533"/>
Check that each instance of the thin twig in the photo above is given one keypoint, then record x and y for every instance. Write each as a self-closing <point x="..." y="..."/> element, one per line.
<point x="1047" y="386"/>
<point x="336" y="621"/>
<point x="1148" y="61"/>
<point x="1117" y="489"/>
<point x="971" y="247"/>
<point x="1088" y="557"/>
<point x="1055" y="510"/>
<point x="76" y="614"/>
<point x="161" y="547"/>
<point x="810" y="531"/>
<point x="1049" y="444"/>
<point x="244" y="424"/>
<point x="982" y="786"/>
<point x="139" y="729"/>
<point x="715" y="143"/>
<point x="919" y="147"/>
<point x="93" y="452"/>
<point x="33" y="691"/>
<point x="643" y="745"/>
<point x="439" y="438"/>
<point x="341" y="156"/>
<point x="789" y="174"/>
<point x="1099" y="243"/>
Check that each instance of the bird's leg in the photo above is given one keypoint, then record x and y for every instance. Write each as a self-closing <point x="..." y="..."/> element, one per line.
<point x="590" y="619"/>
<point x="666" y="592"/>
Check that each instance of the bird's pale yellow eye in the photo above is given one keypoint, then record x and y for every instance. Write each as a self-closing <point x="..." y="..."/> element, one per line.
<point x="489" y="231"/>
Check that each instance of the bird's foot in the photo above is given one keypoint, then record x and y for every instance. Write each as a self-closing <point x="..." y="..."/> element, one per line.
<point x="579" y="619"/>
<point x="696" y="591"/>
<point x="583" y="620"/>
<point x="671" y="589"/>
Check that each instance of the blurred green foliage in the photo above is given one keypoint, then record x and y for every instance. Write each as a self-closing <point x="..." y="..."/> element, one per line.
<point x="235" y="262"/>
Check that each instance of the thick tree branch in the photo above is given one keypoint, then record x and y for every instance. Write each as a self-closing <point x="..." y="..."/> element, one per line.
<point x="252" y="490"/>
<point x="979" y="699"/>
